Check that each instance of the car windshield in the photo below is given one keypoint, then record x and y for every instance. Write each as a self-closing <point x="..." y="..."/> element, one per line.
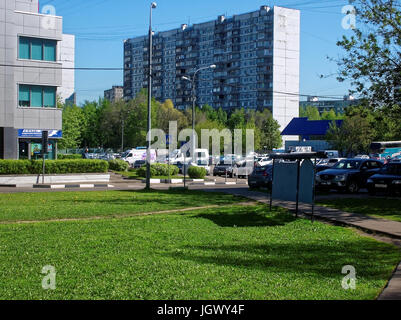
<point x="347" y="164"/>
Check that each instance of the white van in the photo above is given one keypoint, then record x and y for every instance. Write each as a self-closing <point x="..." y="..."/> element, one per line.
<point x="138" y="154"/>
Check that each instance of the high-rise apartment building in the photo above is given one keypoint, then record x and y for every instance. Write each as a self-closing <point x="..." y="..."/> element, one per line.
<point x="256" y="54"/>
<point x="33" y="52"/>
<point x="114" y="94"/>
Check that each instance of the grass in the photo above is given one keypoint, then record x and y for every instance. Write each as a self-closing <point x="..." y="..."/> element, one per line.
<point x="376" y="207"/>
<point x="233" y="252"/>
<point x="61" y="205"/>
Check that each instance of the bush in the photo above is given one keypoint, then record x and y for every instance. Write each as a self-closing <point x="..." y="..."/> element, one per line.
<point x="142" y="172"/>
<point x="15" y="166"/>
<point x="118" y="165"/>
<point x="69" y="156"/>
<point x="197" y="172"/>
<point x="53" y="166"/>
<point x="158" y="170"/>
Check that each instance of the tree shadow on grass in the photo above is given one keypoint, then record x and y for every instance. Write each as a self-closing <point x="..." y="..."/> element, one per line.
<point x="372" y="261"/>
<point x="247" y="216"/>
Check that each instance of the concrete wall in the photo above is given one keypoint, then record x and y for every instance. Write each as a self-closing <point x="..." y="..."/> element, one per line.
<point x="67" y="58"/>
<point x="286" y="56"/>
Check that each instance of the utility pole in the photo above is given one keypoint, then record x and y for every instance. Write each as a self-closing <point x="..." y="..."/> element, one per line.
<point x="122" y="135"/>
<point x="153" y="5"/>
<point x="193" y="84"/>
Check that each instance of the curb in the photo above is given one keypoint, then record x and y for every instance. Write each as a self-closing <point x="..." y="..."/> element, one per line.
<point x="58" y="186"/>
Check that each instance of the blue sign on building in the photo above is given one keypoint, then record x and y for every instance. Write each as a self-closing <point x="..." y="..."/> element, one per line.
<point x="33" y="134"/>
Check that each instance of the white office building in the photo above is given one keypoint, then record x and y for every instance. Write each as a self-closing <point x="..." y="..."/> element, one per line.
<point x="33" y="51"/>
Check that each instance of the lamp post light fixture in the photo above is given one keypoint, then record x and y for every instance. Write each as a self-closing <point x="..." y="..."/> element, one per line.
<point x="153" y="5"/>
<point x="192" y="80"/>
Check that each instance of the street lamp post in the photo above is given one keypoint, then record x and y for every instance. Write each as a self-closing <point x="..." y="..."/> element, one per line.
<point x="213" y="66"/>
<point x="153" y="5"/>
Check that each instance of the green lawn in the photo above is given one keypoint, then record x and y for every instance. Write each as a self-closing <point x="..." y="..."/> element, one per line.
<point x="59" y="205"/>
<point x="233" y="252"/>
<point x="376" y="207"/>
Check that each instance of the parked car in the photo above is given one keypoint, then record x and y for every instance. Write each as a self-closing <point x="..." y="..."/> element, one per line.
<point x="139" y="164"/>
<point x="264" y="161"/>
<point x="244" y="169"/>
<point x="348" y="175"/>
<point x="388" y="180"/>
<point x="261" y="177"/>
<point x="138" y="154"/>
<point x="327" y="163"/>
<point x="362" y="156"/>
<point x="223" y="169"/>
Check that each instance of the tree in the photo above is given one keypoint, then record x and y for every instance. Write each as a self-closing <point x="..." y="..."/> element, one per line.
<point x="271" y="135"/>
<point x="310" y="112"/>
<point x="353" y="137"/>
<point x="372" y="58"/>
<point x="72" y="127"/>
<point x="166" y="113"/>
<point x="90" y="130"/>
<point x="331" y="115"/>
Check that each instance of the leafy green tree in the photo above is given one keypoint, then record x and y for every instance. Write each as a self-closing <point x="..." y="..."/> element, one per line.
<point x="310" y="112"/>
<point x="331" y="115"/>
<point x="72" y="127"/>
<point x="271" y="135"/>
<point x="372" y="60"/>
<point x="353" y="137"/>
<point x="90" y="130"/>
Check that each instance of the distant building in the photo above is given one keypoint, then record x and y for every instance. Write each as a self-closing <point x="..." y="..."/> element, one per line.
<point x="338" y="106"/>
<point x="114" y="94"/>
<point x="309" y="133"/>
<point x="256" y="56"/>
<point x="32" y="50"/>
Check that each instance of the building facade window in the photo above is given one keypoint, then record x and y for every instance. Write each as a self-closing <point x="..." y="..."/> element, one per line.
<point x="37" y="49"/>
<point x="37" y="96"/>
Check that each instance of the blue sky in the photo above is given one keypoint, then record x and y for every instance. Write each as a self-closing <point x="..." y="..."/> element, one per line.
<point x="100" y="26"/>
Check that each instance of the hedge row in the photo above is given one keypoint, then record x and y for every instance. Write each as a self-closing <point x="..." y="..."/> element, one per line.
<point x="69" y="156"/>
<point x="53" y="166"/>
<point x="158" y="170"/>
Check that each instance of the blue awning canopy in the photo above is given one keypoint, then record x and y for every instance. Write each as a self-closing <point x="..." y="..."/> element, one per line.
<point x="305" y="128"/>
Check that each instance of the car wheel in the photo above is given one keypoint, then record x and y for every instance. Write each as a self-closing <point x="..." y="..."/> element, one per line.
<point x="353" y="187"/>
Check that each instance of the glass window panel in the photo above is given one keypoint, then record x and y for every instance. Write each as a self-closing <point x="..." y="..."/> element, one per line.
<point x="49" y="97"/>
<point x="37" y="51"/>
<point x="24" y="49"/>
<point x="36" y="96"/>
<point x="24" y="97"/>
<point x="49" y="50"/>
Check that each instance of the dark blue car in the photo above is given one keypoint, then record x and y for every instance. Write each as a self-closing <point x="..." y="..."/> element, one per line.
<point x="388" y="180"/>
<point x="348" y="175"/>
